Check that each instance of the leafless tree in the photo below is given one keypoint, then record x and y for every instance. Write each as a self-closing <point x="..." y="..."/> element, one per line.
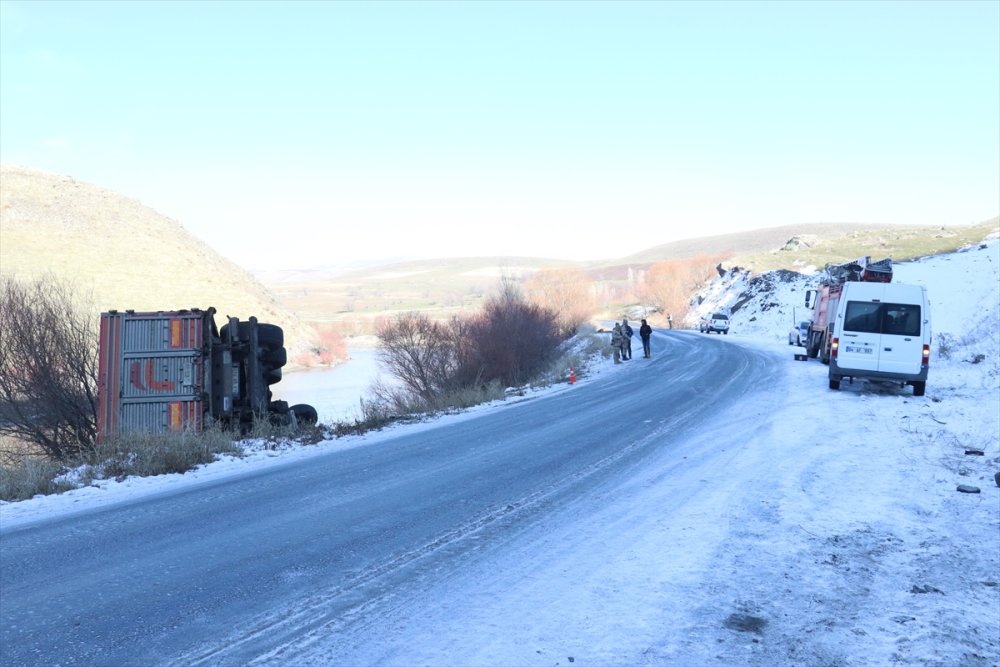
<point x="567" y="292"/>
<point x="420" y="352"/>
<point x="668" y="285"/>
<point x="48" y="367"/>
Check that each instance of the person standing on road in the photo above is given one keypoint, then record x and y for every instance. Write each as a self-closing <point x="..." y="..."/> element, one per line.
<point x="670" y="321"/>
<point x="616" y="342"/>
<point x="626" y="340"/>
<point x="645" y="331"/>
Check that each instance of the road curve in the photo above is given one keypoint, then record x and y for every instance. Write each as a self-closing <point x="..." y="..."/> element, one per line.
<point x="227" y="572"/>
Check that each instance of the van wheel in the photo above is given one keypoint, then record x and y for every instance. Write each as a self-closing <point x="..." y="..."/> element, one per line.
<point x="918" y="388"/>
<point x="834" y="384"/>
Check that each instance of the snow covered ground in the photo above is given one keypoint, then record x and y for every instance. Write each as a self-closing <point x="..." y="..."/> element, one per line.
<point x="836" y="532"/>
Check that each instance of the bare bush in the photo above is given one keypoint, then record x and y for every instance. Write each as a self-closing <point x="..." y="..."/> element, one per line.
<point x="48" y="368"/>
<point x="442" y="364"/>
<point x="511" y="340"/>
<point x="420" y="352"/>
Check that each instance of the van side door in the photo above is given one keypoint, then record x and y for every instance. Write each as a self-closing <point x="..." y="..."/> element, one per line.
<point x="901" y="344"/>
<point x="860" y="336"/>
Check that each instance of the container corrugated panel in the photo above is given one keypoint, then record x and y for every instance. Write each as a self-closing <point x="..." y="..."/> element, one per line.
<point x="162" y="376"/>
<point x="151" y="370"/>
<point x="162" y="416"/>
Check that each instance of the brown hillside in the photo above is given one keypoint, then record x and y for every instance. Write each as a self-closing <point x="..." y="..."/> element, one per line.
<point x="119" y="254"/>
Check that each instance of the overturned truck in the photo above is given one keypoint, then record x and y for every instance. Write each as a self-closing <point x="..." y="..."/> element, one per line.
<point x="176" y="371"/>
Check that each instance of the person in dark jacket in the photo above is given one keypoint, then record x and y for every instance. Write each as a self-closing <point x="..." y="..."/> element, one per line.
<point x="626" y="340"/>
<point x="645" y="331"/>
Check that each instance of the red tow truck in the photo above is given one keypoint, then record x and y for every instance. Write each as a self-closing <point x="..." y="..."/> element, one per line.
<point x="824" y="299"/>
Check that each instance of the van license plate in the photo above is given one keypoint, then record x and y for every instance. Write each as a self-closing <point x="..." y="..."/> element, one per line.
<point x="854" y="349"/>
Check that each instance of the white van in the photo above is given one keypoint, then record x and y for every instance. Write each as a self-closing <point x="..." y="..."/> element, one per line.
<point x="882" y="331"/>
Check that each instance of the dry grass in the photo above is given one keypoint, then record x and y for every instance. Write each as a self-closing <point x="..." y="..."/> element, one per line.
<point x="140" y="454"/>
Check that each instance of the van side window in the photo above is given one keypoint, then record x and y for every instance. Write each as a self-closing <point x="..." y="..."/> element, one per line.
<point x="863" y="316"/>
<point x="898" y="319"/>
<point x="901" y="319"/>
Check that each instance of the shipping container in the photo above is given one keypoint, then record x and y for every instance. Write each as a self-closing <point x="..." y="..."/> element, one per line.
<point x="175" y="370"/>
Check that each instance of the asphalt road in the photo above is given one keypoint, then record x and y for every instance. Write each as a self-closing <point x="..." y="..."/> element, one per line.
<point x="224" y="573"/>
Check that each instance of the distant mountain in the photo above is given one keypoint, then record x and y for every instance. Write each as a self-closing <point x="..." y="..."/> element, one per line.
<point x="119" y="254"/>
<point x="745" y="243"/>
<point x="355" y="298"/>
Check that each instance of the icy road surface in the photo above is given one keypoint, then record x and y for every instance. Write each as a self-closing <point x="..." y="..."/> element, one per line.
<point x="261" y="567"/>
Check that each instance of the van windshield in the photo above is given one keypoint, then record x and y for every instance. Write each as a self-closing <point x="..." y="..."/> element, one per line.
<point x="899" y="319"/>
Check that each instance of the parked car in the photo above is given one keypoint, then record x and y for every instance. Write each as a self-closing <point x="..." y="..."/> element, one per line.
<point x="719" y="323"/>
<point x="799" y="334"/>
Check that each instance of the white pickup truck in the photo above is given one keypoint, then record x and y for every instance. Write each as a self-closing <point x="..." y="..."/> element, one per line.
<point x="718" y="322"/>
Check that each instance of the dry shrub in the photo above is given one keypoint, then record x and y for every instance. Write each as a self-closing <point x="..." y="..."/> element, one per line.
<point x="48" y="367"/>
<point x="332" y="345"/>
<point x="422" y="353"/>
<point x="30" y="477"/>
<point x="509" y="342"/>
<point x="148" y="454"/>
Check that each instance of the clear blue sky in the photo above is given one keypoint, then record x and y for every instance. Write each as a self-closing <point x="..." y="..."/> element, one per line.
<point x="319" y="132"/>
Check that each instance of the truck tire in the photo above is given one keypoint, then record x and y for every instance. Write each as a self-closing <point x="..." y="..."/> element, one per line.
<point x="919" y="388"/>
<point x="834" y="383"/>
<point x="824" y="350"/>
<point x="304" y="414"/>
<point x="272" y="376"/>
<point x="275" y="358"/>
<point x="812" y="349"/>
<point x="270" y="336"/>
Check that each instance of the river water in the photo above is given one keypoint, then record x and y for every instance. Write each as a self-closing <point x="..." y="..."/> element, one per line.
<point x="335" y="392"/>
